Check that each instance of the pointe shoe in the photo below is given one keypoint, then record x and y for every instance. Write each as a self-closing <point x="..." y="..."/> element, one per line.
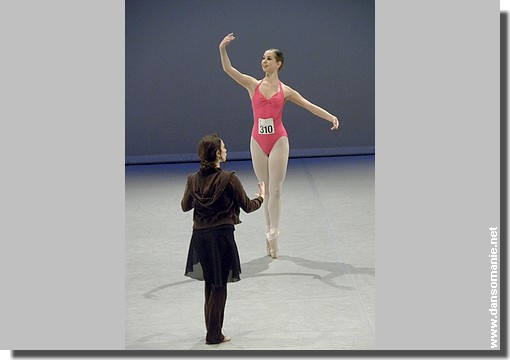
<point x="268" y="247"/>
<point x="273" y="243"/>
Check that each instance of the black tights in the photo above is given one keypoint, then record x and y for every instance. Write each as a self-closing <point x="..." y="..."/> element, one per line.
<point x="214" y="310"/>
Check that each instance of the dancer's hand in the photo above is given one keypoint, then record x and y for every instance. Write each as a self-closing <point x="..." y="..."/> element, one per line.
<point x="262" y="189"/>
<point x="227" y="40"/>
<point x="335" y="123"/>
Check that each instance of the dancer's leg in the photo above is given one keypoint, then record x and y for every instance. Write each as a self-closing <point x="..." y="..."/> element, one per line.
<point x="272" y="170"/>
<point x="278" y="159"/>
<point x="260" y="162"/>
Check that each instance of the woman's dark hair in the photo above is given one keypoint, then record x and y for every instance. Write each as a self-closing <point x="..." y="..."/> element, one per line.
<point x="278" y="55"/>
<point x="207" y="152"/>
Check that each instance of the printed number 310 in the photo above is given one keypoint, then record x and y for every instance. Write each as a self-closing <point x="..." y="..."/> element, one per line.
<point x="266" y="129"/>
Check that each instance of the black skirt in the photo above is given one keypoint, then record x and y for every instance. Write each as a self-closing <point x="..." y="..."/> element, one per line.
<point x="213" y="256"/>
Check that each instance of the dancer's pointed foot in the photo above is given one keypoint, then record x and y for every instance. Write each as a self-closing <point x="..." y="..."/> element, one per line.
<point x="273" y="243"/>
<point x="268" y="247"/>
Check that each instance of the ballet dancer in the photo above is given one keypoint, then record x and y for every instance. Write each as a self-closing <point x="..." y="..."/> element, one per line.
<point x="269" y="145"/>
<point x="216" y="197"/>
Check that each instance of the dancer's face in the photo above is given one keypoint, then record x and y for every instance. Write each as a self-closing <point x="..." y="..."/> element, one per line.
<point x="269" y="63"/>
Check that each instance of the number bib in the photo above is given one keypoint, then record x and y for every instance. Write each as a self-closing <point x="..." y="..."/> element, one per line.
<point x="266" y="126"/>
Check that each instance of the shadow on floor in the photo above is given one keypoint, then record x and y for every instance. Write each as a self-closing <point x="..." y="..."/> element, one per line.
<point x="255" y="268"/>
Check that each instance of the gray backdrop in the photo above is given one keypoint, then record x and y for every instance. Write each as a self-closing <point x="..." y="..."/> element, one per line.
<point x="176" y="90"/>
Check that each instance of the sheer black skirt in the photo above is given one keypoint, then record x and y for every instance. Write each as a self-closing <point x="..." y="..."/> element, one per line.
<point x="213" y="256"/>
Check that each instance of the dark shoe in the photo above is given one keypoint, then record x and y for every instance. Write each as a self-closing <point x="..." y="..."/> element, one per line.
<point x="225" y="339"/>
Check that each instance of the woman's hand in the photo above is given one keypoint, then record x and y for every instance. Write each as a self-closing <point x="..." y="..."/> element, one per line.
<point x="226" y="40"/>
<point x="262" y="189"/>
<point x="335" y="123"/>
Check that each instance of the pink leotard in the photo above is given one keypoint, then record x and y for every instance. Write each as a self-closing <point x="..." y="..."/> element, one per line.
<point x="267" y="118"/>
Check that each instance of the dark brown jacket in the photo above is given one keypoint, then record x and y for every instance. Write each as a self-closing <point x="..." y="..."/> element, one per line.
<point x="216" y="197"/>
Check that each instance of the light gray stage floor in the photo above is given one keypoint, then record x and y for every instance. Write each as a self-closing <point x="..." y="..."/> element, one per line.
<point x="318" y="295"/>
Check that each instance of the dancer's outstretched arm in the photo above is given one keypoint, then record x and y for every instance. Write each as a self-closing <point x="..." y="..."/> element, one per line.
<point x="244" y="80"/>
<point x="296" y="98"/>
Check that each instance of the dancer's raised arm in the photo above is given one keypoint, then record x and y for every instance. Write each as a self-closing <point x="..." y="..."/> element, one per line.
<point x="244" y="80"/>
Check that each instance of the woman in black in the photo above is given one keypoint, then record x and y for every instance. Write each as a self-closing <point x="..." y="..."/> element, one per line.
<point x="216" y="197"/>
